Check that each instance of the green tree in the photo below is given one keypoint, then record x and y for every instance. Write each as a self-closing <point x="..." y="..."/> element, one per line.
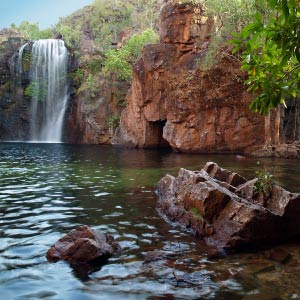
<point x="270" y="47"/>
<point x="32" y="31"/>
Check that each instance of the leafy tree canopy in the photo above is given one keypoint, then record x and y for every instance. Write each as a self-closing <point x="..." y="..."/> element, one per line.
<point x="32" y="31"/>
<point x="270" y="47"/>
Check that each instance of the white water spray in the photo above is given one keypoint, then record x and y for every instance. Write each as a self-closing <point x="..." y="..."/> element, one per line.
<point x="49" y="90"/>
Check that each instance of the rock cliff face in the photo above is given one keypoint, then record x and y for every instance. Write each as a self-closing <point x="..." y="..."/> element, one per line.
<point x="88" y="113"/>
<point x="13" y="107"/>
<point x="87" y="117"/>
<point x="174" y="103"/>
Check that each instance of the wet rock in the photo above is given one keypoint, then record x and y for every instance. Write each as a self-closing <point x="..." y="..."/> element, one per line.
<point x="83" y="246"/>
<point x="278" y="255"/>
<point x="14" y="108"/>
<point x="171" y="251"/>
<point x="291" y="150"/>
<point x="220" y="206"/>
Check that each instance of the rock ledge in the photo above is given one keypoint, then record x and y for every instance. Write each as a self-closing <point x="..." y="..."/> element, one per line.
<point x="223" y="208"/>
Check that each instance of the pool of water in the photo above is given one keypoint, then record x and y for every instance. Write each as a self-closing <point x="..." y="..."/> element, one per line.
<point x="46" y="190"/>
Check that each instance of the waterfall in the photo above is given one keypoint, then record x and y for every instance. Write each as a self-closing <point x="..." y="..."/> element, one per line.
<point x="19" y="69"/>
<point x="16" y="65"/>
<point x="49" y="90"/>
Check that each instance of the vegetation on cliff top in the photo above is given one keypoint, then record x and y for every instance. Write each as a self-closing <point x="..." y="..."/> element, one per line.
<point x="118" y="62"/>
<point x="32" y="31"/>
<point x="267" y="37"/>
<point x="115" y="31"/>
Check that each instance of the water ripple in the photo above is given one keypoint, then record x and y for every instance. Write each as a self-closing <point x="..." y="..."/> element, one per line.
<point x="48" y="190"/>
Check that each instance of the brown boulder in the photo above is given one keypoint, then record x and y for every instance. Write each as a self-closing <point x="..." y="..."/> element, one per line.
<point x="83" y="245"/>
<point x="224" y="212"/>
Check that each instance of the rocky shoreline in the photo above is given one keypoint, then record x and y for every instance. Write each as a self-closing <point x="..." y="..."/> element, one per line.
<point x="228" y="211"/>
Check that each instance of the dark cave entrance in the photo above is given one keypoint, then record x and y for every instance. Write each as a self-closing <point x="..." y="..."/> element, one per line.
<point x="156" y="139"/>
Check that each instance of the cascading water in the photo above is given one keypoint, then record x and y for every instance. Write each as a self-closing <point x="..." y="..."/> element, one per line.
<point x="19" y="69"/>
<point x="49" y="90"/>
<point x="16" y="65"/>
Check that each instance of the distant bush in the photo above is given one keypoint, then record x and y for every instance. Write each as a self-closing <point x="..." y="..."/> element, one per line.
<point x="119" y="61"/>
<point x="113" y="122"/>
<point x="77" y="76"/>
<point x="71" y="35"/>
<point x="36" y="90"/>
<point x="92" y="86"/>
<point x="95" y="65"/>
<point x="32" y="31"/>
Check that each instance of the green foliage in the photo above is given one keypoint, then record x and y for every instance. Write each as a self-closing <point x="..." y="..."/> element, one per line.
<point x="77" y="76"/>
<point x="119" y="61"/>
<point x="234" y="14"/>
<point x="26" y="61"/>
<point x="120" y="95"/>
<point x="229" y="16"/>
<point x="106" y="21"/>
<point x="32" y="31"/>
<point x="196" y="213"/>
<point x="36" y="91"/>
<point x="265" y="181"/>
<point x="92" y="86"/>
<point x="271" y="54"/>
<point x="70" y="34"/>
<point x="95" y="65"/>
<point x="109" y="19"/>
<point x="113" y="122"/>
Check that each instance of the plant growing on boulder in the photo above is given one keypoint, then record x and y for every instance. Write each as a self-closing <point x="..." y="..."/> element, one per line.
<point x="264" y="181"/>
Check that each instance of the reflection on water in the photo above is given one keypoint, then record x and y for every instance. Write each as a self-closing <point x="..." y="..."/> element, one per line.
<point x="47" y="190"/>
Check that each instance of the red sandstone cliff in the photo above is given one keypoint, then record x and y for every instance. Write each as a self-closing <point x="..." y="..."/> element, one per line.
<point x="173" y="103"/>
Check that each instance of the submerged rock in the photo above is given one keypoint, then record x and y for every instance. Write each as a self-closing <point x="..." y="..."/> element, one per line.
<point x="222" y="207"/>
<point x="83" y="246"/>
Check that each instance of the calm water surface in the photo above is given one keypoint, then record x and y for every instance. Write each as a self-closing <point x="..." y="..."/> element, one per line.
<point x="46" y="190"/>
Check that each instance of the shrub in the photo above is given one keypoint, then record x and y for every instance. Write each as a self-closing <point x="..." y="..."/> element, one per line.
<point x="119" y="61"/>
<point x="265" y="181"/>
<point x="32" y="31"/>
<point x="113" y="122"/>
<point x="92" y="86"/>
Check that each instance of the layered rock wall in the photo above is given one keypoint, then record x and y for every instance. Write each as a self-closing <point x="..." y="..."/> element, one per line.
<point x="174" y="102"/>
<point x="13" y="106"/>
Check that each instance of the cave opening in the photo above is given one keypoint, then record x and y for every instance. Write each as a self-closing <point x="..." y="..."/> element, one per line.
<point x="157" y="129"/>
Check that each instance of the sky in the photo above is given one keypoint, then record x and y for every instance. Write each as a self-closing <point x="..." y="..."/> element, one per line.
<point x="43" y="12"/>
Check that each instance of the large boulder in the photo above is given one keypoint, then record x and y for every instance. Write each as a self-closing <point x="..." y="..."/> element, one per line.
<point x="83" y="245"/>
<point x="225" y="210"/>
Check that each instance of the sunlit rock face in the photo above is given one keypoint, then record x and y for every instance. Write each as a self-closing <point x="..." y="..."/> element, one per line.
<point x="14" y="118"/>
<point x="174" y="103"/>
